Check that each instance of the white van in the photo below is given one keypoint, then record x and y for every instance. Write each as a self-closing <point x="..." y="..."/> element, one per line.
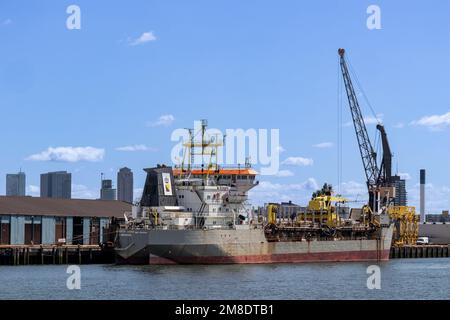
<point x="423" y="240"/>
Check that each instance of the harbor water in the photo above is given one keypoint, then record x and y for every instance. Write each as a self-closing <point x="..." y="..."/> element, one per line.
<point x="400" y="279"/>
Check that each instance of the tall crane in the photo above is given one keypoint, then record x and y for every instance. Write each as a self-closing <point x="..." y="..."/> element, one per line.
<point x="378" y="179"/>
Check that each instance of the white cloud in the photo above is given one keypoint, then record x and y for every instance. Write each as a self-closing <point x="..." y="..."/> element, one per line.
<point x="404" y="175"/>
<point x="80" y="191"/>
<point x="298" y="161"/>
<point x="299" y="193"/>
<point x="373" y="120"/>
<point x="368" y="120"/>
<point x="323" y="145"/>
<point x="33" y="190"/>
<point x="69" y="154"/>
<point x="437" y="198"/>
<point x="399" y="125"/>
<point x="280" y="149"/>
<point x="353" y="189"/>
<point x="136" y="147"/>
<point x="144" y="38"/>
<point x="164" y="120"/>
<point x="138" y="194"/>
<point x="284" y="173"/>
<point x="310" y="185"/>
<point x="434" y="122"/>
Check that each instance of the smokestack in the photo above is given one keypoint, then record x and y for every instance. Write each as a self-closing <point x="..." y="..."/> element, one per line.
<point x="422" y="195"/>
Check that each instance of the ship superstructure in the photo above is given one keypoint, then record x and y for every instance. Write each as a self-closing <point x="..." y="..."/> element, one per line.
<point x="206" y="194"/>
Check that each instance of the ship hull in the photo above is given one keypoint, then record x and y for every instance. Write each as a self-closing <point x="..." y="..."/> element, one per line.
<point x="241" y="247"/>
<point x="343" y="256"/>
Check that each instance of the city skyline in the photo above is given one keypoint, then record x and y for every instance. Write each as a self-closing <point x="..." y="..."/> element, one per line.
<point x="16" y="185"/>
<point x="126" y="86"/>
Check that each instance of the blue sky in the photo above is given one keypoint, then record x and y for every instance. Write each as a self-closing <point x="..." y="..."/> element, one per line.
<point x="252" y="64"/>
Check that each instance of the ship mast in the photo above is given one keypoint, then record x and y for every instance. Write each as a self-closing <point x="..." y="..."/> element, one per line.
<point x="207" y="146"/>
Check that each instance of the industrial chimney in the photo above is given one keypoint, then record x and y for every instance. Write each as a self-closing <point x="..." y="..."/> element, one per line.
<point x="422" y="196"/>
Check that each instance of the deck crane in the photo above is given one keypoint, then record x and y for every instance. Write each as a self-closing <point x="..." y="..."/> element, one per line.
<point x="380" y="188"/>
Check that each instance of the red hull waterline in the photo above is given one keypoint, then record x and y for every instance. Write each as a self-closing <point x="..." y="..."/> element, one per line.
<point x="345" y="256"/>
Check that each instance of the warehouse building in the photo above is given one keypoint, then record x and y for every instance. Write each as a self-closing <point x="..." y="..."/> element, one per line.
<point x="32" y="220"/>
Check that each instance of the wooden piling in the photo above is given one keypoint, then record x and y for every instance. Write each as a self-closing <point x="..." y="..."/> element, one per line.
<point x="56" y="254"/>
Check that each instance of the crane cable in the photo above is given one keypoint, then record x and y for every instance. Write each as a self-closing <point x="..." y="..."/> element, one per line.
<point x="339" y="129"/>
<point x="377" y="142"/>
<point x="355" y="76"/>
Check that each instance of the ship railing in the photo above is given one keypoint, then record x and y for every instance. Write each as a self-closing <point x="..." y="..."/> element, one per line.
<point x="219" y="166"/>
<point x="190" y="227"/>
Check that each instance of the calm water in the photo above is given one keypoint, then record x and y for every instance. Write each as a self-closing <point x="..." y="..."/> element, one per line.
<point x="401" y="279"/>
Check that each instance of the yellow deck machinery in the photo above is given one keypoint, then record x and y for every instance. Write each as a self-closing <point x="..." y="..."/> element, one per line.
<point x="406" y="225"/>
<point x="323" y="218"/>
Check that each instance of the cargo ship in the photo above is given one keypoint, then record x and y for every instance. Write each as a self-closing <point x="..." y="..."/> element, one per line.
<point x="201" y="215"/>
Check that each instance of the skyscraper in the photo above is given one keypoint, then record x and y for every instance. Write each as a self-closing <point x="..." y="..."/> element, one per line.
<point x="400" y="191"/>
<point x="15" y="184"/>
<point x="56" y="185"/>
<point x="107" y="192"/>
<point x="125" y="185"/>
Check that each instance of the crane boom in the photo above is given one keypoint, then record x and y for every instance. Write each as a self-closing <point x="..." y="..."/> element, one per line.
<point x="368" y="155"/>
<point x="386" y="165"/>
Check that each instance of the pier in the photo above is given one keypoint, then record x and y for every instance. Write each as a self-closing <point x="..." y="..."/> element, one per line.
<point x="420" y="251"/>
<point x="55" y="254"/>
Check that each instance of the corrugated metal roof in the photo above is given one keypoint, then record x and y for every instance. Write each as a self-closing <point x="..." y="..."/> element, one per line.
<point x="62" y="207"/>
